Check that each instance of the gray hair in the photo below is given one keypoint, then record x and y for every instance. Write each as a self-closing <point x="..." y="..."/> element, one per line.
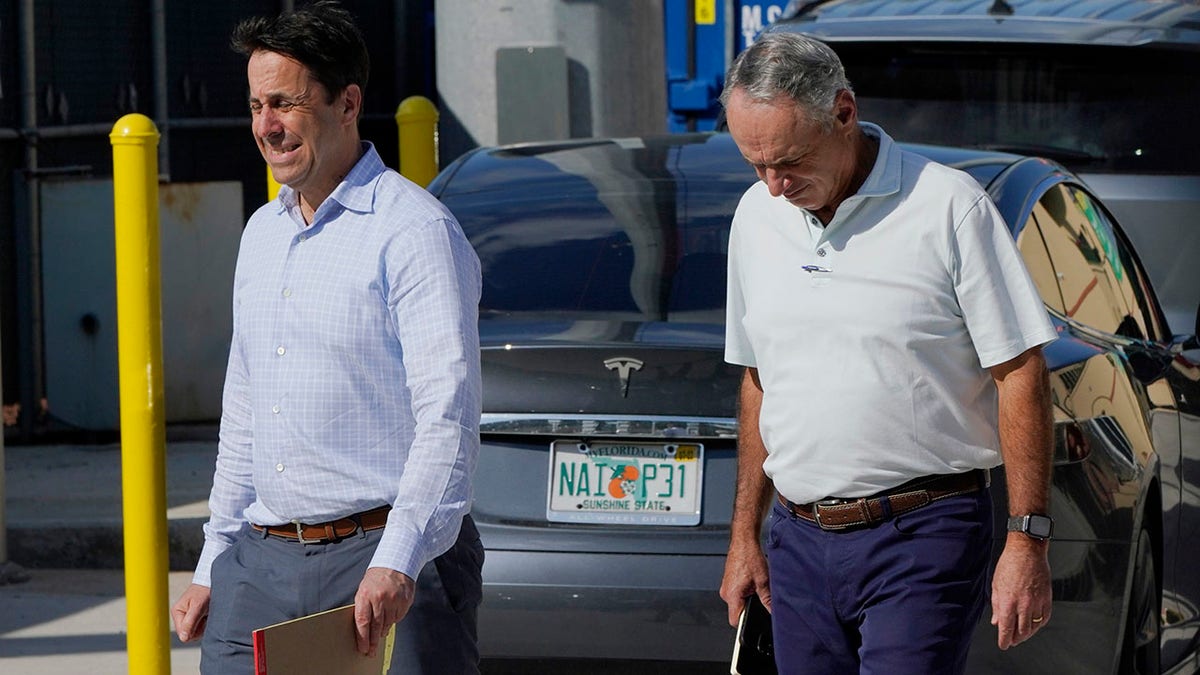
<point x="788" y="64"/>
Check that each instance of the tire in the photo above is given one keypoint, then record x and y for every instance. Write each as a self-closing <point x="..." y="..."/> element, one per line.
<point x="1141" y="644"/>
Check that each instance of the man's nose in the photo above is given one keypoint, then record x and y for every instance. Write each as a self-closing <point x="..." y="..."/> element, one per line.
<point x="266" y="123"/>
<point x="775" y="180"/>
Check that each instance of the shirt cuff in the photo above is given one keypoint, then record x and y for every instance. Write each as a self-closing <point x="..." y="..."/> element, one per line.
<point x="203" y="574"/>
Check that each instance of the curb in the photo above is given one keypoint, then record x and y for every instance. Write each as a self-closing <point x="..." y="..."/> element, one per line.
<point x="98" y="546"/>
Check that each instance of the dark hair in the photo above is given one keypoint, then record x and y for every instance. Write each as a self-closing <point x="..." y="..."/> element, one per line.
<point x="321" y="36"/>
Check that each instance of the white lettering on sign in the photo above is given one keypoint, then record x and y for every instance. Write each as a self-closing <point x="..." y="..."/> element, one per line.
<point x="752" y="21"/>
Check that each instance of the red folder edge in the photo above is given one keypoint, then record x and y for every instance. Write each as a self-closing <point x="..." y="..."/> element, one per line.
<point x="260" y="654"/>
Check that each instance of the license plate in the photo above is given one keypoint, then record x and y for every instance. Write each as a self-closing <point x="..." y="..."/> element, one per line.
<point x="625" y="483"/>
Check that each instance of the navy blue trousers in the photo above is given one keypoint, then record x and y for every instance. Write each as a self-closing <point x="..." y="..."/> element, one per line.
<point x="261" y="581"/>
<point x="900" y="597"/>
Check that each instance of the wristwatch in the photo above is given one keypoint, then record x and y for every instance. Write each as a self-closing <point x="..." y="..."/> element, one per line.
<point x="1033" y="525"/>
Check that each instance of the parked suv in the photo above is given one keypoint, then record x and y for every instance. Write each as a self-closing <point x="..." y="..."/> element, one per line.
<point x="1109" y="88"/>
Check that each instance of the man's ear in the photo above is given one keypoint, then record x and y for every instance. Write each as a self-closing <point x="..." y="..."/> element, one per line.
<point x="351" y="100"/>
<point x="845" y="109"/>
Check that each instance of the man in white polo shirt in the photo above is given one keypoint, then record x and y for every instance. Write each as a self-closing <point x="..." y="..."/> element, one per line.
<point x="891" y="338"/>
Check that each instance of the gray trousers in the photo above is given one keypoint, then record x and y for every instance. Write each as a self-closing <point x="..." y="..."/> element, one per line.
<point x="264" y="580"/>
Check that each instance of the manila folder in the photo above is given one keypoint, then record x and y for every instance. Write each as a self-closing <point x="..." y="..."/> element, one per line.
<point x="318" y="644"/>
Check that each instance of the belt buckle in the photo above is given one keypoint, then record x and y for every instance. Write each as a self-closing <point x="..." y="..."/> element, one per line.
<point x="300" y="534"/>
<point x="826" y="502"/>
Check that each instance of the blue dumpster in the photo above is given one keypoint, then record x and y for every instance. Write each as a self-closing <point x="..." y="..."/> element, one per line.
<point x="702" y="37"/>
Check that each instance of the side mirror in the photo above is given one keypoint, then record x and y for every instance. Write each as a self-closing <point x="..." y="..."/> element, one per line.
<point x="1190" y="346"/>
<point x="1192" y="342"/>
<point x="1148" y="365"/>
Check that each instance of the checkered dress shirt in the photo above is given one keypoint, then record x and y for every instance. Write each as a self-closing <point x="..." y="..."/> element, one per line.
<point x="353" y="377"/>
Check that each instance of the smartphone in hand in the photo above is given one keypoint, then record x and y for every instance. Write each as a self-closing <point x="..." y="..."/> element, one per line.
<point x="753" y="648"/>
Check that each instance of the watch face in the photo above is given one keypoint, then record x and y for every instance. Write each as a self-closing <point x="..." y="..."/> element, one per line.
<point x="1040" y="526"/>
<point x="1034" y="525"/>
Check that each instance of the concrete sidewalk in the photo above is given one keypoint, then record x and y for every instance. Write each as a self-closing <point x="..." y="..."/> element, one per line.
<point x="64" y="504"/>
<point x="63" y="509"/>
<point x="66" y="622"/>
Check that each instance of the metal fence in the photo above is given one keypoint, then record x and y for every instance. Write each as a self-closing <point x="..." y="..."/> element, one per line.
<point x="70" y="68"/>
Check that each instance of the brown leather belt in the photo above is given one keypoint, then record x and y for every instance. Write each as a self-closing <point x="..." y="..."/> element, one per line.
<point x="841" y="514"/>
<point x="323" y="533"/>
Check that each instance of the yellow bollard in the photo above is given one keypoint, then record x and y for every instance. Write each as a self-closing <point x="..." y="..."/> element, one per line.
<point x="417" y="120"/>
<point x="272" y="185"/>
<point x="139" y="350"/>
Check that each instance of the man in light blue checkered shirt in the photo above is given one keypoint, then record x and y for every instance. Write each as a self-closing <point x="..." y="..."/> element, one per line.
<point x="350" y="422"/>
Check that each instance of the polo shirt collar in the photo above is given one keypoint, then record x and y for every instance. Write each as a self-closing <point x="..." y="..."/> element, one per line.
<point x="884" y="178"/>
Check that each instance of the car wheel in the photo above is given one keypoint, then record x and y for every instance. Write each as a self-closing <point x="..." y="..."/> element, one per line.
<point x="1140" y="650"/>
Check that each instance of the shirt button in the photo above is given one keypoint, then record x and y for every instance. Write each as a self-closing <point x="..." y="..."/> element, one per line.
<point x="303" y="237"/>
<point x="279" y="467"/>
<point x="280" y="351"/>
<point x="287" y="292"/>
<point x="821" y="252"/>
<point x="275" y="409"/>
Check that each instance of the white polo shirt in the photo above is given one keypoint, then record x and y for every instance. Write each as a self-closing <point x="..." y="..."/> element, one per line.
<point x="872" y="336"/>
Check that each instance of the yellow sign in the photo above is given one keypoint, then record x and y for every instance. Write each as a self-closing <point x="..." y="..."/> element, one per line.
<point x="706" y="12"/>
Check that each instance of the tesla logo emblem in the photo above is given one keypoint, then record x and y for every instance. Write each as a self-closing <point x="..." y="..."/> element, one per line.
<point x="623" y="365"/>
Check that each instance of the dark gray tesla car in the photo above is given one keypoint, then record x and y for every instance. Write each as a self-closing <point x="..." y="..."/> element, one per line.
<point x="607" y="468"/>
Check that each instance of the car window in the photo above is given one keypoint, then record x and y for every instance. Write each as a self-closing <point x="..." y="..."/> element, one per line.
<point x="1092" y="108"/>
<point x="1099" y="281"/>
<point x="1143" y="307"/>
<point x="1037" y="260"/>
<point x="576" y="253"/>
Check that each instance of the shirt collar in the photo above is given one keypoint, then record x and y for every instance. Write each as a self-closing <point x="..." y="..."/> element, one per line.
<point x="356" y="192"/>
<point x="884" y="178"/>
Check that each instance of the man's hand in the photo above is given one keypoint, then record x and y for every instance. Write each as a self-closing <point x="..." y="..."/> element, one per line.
<point x="745" y="575"/>
<point x="745" y="565"/>
<point x="383" y="598"/>
<point x="190" y="612"/>
<point x="1021" y="598"/>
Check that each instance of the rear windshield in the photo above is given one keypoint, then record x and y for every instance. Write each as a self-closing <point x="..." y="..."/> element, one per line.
<point x="631" y="247"/>
<point x="1095" y="109"/>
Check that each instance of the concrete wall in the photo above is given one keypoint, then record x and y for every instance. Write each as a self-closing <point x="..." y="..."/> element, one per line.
<point x="615" y="70"/>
